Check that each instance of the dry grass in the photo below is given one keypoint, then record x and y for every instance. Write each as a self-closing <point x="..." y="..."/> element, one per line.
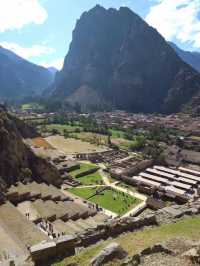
<point x="72" y="146"/>
<point x="135" y="242"/>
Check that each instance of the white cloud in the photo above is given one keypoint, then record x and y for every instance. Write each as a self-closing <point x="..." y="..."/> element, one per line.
<point x="28" y="52"/>
<point x="58" y="63"/>
<point x="177" y="19"/>
<point x="14" y="14"/>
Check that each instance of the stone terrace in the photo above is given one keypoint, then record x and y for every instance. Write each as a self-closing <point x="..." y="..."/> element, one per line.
<point x="37" y="214"/>
<point x="17" y="232"/>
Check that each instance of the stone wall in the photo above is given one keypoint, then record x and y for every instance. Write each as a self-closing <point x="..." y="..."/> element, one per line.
<point x="88" y="172"/>
<point x="43" y="252"/>
<point x="127" y="173"/>
<point x="66" y="245"/>
<point x="114" y="228"/>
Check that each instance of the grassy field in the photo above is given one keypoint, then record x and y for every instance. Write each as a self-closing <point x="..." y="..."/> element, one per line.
<point x="90" y="137"/>
<point x="61" y="128"/>
<point x="84" y="167"/>
<point x="134" y="242"/>
<point x="92" y="179"/>
<point x="112" y="200"/>
<point x="116" y="133"/>
<point x="35" y="106"/>
<point x="117" y="136"/>
<point x="72" y="146"/>
<point x="122" y="143"/>
<point x="84" y="193"/>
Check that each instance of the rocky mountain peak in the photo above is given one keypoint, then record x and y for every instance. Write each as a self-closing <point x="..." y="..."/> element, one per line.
<point x="126" y="62"/>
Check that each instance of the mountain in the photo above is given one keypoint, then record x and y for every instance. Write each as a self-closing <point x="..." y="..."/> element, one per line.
<point x="119" y="60"/>
<point x="17" y="160"/>
<point x="20" y="78"/>
<point x="191" y="58"/>
<point x="53" y="70"/>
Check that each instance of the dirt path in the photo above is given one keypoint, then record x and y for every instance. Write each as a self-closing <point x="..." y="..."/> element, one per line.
<point x="137" y="208"/>
<point x="113" y="185"/>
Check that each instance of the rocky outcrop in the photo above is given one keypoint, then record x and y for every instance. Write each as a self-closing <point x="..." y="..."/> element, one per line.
<point x="193" y="255"/>
<point x="17" y="160"/>
<point x="109" y="253"/>
<point x="137" y="259"/>
<point x="120" y="61"/>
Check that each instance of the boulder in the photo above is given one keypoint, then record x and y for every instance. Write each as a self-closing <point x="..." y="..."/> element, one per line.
<point x="110" y="252"/>
<point x="193" y="255"/>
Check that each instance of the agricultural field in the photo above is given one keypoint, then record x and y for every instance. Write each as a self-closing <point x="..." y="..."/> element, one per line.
<point x="124" y="144"/>
<point x="135" y="242"/>
<point x="115" y="201"/>
<point x="92" y="138"/>
<point x="35" y="106"/>
<point x="73" y="146"/>
<point x="62" y="128"/>
<point x="116" y="133"/>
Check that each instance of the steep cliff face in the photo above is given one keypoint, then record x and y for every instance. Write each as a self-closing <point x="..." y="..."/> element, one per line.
<point x="17" y="160"/>
<point x="126" y="63"/>
<point x="20" y="78"/>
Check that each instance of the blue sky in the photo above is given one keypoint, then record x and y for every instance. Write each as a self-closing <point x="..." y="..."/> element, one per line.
<point x="41" y="30"/>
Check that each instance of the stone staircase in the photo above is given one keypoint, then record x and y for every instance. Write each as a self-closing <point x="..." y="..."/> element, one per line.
<point x="80" y="225"/>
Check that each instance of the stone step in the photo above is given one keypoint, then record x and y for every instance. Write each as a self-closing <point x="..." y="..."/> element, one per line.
<point x="73" y="226"/>
<point x="18" y="227"/>
<point x="81" y="223"/>
<point x="45" y="212"/>
<point x="90" y="222"/>
<point x="28" y="207"/>
<point x="61" y="227"/>
<point x="100" y="218"/>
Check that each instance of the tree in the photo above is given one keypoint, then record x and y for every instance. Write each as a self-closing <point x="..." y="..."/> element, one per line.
<point x="66" y="134"/>
<point x="109" y="140"/>
<point x="55" y="131"/>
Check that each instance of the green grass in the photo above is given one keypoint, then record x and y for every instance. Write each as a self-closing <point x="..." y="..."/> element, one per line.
<point x="90" y="137"/>
<point x="62" y="128"/>
<point x="135" y="242"/>
<point x="92" y="179"/>
<point x="115" y="201"/>
<point x="31" y="105"/>
<point x="112" y="200"/>
<point x="84" y="193"/>
<point x="83" y="168"/>
<point x="116" y="133"/>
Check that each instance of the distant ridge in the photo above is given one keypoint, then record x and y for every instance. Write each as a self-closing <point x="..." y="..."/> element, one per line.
<point x="192" y="58"/>
<point x="19" y="78"/>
